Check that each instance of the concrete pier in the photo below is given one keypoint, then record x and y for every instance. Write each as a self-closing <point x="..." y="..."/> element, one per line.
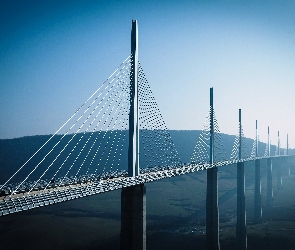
<point x="257" y="195"/>
<point x="269" y="192"/>
<point x="241" y="232"/>
<point x="212" y="214"/>
<point x="279" y="173"/>
<point x="133" y="218"/>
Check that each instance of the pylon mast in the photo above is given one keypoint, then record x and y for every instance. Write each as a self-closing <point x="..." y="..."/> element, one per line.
<point x="133" y="150"/>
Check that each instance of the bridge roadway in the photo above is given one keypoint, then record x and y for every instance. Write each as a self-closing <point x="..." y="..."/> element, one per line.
<point x="17" y="202"/>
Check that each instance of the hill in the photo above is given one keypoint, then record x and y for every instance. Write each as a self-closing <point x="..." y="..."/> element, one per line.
<point x="15" y="152"/>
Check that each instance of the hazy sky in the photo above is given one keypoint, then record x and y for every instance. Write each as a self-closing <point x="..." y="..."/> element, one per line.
<point x="55" y="54"/>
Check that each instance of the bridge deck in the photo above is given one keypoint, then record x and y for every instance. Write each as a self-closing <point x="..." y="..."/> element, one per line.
<point x="17" y="202"/>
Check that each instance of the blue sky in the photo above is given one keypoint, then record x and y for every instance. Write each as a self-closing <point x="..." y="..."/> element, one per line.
<point x="55" y="54"/>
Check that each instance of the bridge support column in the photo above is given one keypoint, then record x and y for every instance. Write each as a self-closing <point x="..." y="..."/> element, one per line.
<point x="241" y="232"/>
<point x="269" y="194"/>
<point x="257" y="195"/>
<point x="291" y="163"/>
<point x="279" y="173"/>
<point x="212" y="214"/>
<point x="289" y="166"/>
<point x="133" y="218"/>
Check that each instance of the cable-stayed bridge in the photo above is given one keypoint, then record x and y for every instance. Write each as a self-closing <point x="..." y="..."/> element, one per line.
<point x="118" y="139"/>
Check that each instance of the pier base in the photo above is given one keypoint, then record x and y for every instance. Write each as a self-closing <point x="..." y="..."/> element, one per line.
<point x="212" y="214"/>
<point x="133" y="218"/>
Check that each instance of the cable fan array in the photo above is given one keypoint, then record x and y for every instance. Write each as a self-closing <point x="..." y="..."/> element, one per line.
<point x="219" y="148"/>
<point x="260" y="151"/>
<point x="267" y="150"/>
<point x="254" y="146"/>
<point x="94" y="146"/>
<point x="244" y="150"/>
<point x="202" y="149"/>
<point x="157" y="147"/>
